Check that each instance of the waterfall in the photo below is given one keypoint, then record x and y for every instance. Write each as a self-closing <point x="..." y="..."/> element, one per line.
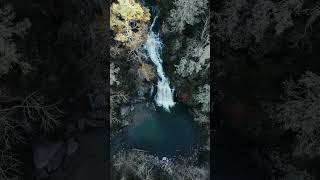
<point x="153" y="46"/>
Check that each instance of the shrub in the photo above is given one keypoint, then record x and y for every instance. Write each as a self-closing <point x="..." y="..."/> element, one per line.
<point x="191" y="172"/>
<point x="137" y="163"/>
<point x="196" y="57"/>
<point x="300" y="112"/>
<point x="203" y="98"/>
<point x="284" y="168"/>
<point x="147" y="71"/>
<point x="201" y="118"/>
<point x="9" y="166"/>
<point x="145" y="166"/>
<point x="242" y="22"/>
<point x="186" y="12"/>
<point x="113" y="71"/>
<point x="195" y="60"/>
<point x="116" y="99"/>
<point x="36" y="113"/>
<point x="129" y="22"/>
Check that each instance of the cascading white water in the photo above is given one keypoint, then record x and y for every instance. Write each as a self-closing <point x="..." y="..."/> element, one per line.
<point x="164" y="96"/>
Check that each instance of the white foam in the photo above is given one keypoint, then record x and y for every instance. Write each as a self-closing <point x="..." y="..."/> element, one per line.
<point x="153" y="45"/>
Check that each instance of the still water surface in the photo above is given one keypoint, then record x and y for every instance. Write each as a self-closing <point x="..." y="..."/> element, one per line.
<point x="161" y="132"/>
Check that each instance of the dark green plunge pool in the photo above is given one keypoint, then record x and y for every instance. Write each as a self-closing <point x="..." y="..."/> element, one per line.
<point x="160" y="132"/>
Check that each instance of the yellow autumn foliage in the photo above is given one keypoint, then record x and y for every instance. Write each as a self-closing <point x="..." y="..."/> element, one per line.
<point x="129" y="21"/>
<point x="147" y="71"/>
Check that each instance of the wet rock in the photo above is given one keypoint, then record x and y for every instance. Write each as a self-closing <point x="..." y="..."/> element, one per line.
<point x="125" y="110"/>
<point x="44" y="152"/>
<point x="151" y="92"/>
<point x="138" y="100"/>
<point x="151" y="106"/>
<point x="126" y="122"/>
<point x="173" y="58"/>
<point x="140" y="91"/>
<point x="164" y="159"/>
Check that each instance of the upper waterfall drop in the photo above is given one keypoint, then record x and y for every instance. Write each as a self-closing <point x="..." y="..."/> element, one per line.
<point x="153" y="46"/>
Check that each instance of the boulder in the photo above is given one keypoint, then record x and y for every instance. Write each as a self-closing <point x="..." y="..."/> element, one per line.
<point x="125" y="110"/>
<point x="140" y="91"/>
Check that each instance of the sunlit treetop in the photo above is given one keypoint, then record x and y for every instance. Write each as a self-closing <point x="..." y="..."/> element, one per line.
<point x="129" y="21"/>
